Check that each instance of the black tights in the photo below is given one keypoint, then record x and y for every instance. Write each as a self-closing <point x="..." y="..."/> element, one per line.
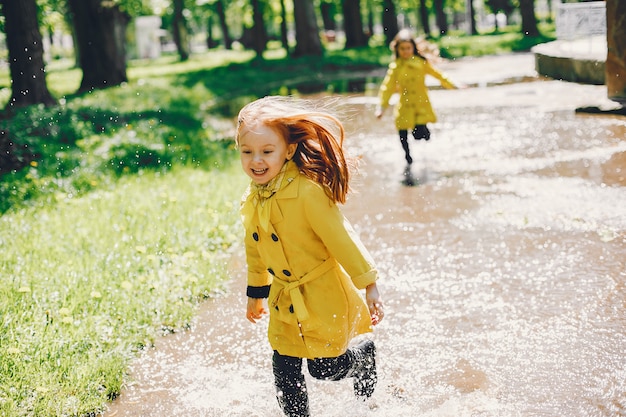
<point x="291" y="386"/>
<point x="418" y="132"/>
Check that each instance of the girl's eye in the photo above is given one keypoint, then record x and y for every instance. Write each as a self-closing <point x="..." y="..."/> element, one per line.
<point x="267" y="152"/>
<point x="246" y="152"/>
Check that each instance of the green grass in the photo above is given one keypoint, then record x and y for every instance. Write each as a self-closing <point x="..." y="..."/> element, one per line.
<point x="122" y="210"/>
<point x="505" y="41"/>
<point x="173" y="112"/>
<point x="88" y="281"/>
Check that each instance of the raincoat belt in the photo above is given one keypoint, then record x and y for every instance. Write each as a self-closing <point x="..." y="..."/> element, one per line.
<point x="293" y="288"/>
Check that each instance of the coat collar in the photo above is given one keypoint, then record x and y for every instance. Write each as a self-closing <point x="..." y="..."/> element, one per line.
<point x="288" y="192"/>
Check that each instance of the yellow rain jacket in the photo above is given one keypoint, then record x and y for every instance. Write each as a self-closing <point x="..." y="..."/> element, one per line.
<point x="316" y="265"/>
<point x="408" y="78"/>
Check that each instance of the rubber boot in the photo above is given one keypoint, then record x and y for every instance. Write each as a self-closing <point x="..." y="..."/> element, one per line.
<point x="421" y="132"/>
<point x="404" y="140"/>
<point x="291" y="391"/>
<point x="364" y="369"/>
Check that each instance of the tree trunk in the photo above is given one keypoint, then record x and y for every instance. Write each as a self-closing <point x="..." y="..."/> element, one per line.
<point x="283" y="26"/>
<point x="101" y="41"/>
<point x="440" y="16"/>
<point x="179" y="30"/>
<point x="210" y="42"/>
<point x="259" y="34"/>
<point x="370" y="21"/>
<point x="23" y="39"/>
<point x="228" y="42"/>
<point x="328" y="15"/>
<point x="472" y="17"/>
<point x="615" y="68"/>
<point x="353" y="24"/>
<point x="307" y="32"/>
<point x="529" y="20"/>
<point x="390" y="20"/>
<point x="424" y="18"/>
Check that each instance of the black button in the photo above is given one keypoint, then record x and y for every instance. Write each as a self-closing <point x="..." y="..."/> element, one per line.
<point x="255" y="236"/>
<point x="291" y="308"/>
<point x="276" y="308"/>
<point x="274" y="237"/>
<point x="271" y="271"/>
<point x="287" y="273"/>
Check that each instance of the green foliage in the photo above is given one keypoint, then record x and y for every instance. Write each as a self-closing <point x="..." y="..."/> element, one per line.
<point x="167" y="115"/>
<point x="136" y="7"/>
<point x="88" y="281"/>
<point x="120" y="218"/>
<point x="122" y="210"/>
<point x="504" y="41"/>
<point x="141" y="126"/>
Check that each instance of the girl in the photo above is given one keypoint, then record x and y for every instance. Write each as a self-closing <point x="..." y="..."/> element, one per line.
<point x="406" y="75"/>
<point x="302" y="254"/>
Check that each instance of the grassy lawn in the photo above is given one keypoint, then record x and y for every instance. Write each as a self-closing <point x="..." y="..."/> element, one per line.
<point x="124" y="210"/>
<point x="88" y="281"/>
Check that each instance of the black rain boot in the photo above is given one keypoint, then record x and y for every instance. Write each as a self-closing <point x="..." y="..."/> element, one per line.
<point x="364" y="370"/>
<point x="421" y="132"/>
<point x="404" y="136"/>
<point x="291" y="391"/>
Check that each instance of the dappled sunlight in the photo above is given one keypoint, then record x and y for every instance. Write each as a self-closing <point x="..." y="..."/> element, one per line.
<point x="502" y="273"/>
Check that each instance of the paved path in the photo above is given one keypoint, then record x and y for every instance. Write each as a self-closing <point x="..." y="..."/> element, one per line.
<point x="503" y="271"/>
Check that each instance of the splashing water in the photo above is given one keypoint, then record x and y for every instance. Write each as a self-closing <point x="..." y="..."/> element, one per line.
<point x="503" y="273"/>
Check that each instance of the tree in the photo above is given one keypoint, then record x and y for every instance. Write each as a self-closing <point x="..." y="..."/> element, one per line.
<point x="100" y="28"/>
<point x="440" y="16"/>
<point x="424" y="18"/>
<point x="472" y="17"/>
<point x="221" y="14"/>
<point x="353" y="24"/>
<point x="390" y="20"/>
<point x="259" y="33"/>
<point x="283" y="26"/>
<point x="23" y="38"/>
<point x="615" y="69"/>
<point x="529" y="20"/>
<point x="307" y="32"/>
<point x="328" y="15"/>
<point x="497" y="6"/>
<point x="179" y="30"/>
<point x="210" y="42"/>
<point x="370" y="20"/>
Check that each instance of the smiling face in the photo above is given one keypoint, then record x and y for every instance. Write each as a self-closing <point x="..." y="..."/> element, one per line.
<point x="405" y="49"/>
<point x="263" y="152"/>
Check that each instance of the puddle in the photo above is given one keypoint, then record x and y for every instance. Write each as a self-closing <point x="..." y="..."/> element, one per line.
<point x="503" y="272"/>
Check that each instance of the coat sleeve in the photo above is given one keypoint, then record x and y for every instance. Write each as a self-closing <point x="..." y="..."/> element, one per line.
<point x="340" y="238"/>
<point x="445" y="82"/>
<point x="259" y="279"/>
<point x="388" y="86"/>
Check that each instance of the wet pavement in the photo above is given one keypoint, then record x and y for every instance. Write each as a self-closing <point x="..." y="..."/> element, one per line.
<point x="503" y="269"/>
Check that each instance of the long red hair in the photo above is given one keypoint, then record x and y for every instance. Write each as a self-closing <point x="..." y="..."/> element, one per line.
<point x="318" y="135"/>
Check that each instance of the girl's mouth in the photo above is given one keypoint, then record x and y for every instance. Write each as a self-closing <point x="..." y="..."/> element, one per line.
<point x="259" y="171"/>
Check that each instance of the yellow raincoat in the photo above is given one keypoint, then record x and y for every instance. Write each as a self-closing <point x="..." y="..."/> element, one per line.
<point x="315" y="264"/>
<point x="407" y="77"/>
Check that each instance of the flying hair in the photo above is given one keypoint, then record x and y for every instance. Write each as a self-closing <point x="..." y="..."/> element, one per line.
<point x="318" y="135"/>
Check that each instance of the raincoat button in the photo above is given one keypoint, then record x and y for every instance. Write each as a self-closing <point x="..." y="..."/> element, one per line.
<point x="274" y="237"/>
<point x="287" y="273"/>
<point x="291" y="308"/>
<point x="271" y="271"/>
<point x="255" y="236"/>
